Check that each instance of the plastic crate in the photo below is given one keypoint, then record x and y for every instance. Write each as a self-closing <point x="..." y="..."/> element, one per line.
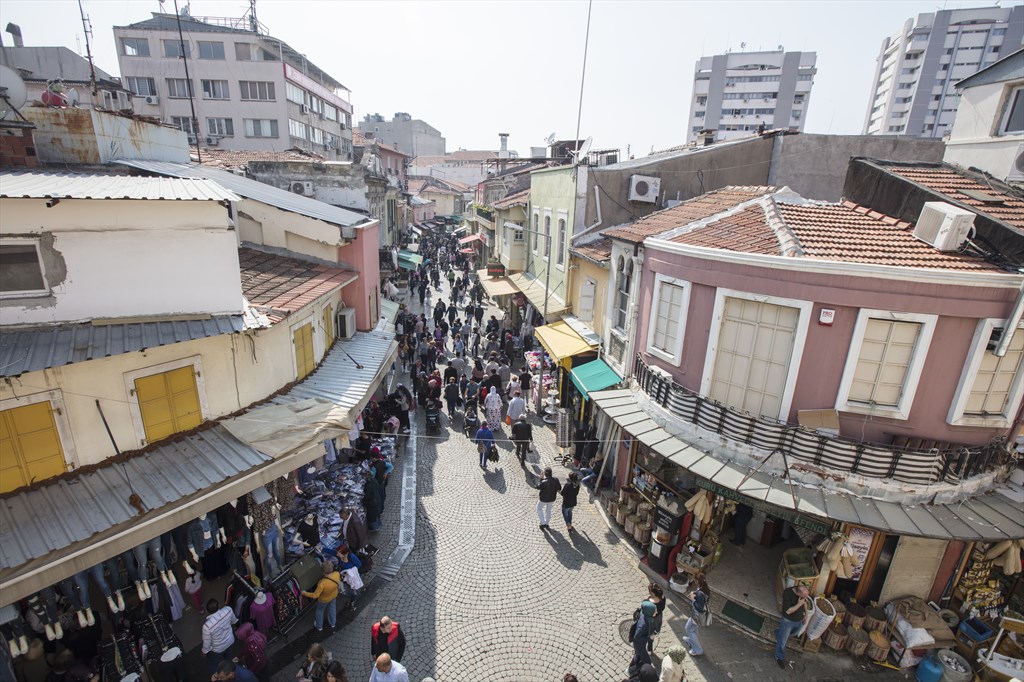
<point x="976" y="630"/>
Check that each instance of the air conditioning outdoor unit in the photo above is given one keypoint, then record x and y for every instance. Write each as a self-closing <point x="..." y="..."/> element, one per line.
<point x="345" y="320"/>
<point x="213" y="140"/>
<point x="152" y="99"/>
<point x="644" y="188"/>
<point x="1016" y="173"/>
<point x="303" y="188"/>
<point x="192" y="139"/>
<point x="943" y="225"/>
<point x="321" y="116"/>
<point x="302" y="109"/>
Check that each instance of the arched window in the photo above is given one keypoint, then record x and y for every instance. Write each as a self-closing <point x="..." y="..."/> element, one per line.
<point x="625" y="276"/>
<point x="561" y="241"/>
<point x="536" y="228"/>
<point x="547" y="236"/>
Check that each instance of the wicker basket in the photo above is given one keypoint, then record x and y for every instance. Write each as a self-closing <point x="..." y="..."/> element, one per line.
<point x="857" y="641"/>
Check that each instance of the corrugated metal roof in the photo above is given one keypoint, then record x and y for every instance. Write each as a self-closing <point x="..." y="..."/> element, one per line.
<point x="49" y="185"/>
<point x="257" y="191"/>
<point x="986" y="516"/>
<point x="33" y="349"/>
<point x="52" y="517"/>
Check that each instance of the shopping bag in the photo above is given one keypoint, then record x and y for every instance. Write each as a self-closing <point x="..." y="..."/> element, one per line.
<point x="493" y="454"/>
<point x="508" y="420"/>
<point x="353" y="579"/>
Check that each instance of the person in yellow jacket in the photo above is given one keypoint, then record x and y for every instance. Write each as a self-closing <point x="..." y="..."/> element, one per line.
<point x="326" y="595"/>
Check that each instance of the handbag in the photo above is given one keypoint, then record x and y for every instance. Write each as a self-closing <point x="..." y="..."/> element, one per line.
<point x="480" y="447"/>
<point x="492" y="455"/>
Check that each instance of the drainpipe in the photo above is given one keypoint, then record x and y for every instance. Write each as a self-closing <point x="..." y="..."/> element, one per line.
<point x="1011" y="325"/>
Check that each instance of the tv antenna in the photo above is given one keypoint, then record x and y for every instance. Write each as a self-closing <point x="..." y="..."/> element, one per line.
<point x="87" y="29"/>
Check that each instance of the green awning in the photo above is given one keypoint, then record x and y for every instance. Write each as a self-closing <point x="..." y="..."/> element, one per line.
<point x="409" y="260"/>
<point x="596" y="375"/>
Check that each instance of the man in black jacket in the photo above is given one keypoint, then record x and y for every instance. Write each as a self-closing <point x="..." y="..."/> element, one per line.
<point x="522" y="436"/>
<point x="548" y="489"/>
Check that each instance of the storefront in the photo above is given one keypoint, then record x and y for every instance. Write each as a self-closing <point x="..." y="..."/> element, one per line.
<point x="539" y="297"/>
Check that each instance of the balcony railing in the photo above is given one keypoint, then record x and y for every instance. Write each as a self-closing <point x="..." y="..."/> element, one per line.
<point x="948" y="464"/>
<point x="485" y="213"/>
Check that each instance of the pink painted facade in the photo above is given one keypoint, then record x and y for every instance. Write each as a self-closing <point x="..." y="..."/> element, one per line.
<point x="364" y="293"/>
<point x="820" y="366"/>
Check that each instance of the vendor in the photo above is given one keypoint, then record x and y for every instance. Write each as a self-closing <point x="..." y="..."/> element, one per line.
<point x="361" y="447"/>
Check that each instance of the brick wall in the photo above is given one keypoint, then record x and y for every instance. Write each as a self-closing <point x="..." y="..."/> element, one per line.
<point x="17" y="148"/>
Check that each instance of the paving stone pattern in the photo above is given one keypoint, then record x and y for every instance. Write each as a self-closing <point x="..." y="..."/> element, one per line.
<point x="486" y="595"/>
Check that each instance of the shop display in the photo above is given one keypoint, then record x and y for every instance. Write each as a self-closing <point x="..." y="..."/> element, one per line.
<point x="118" y="659"/>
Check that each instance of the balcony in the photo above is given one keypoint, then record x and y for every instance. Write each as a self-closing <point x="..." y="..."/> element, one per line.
<point x="940" y="463"/>
<point x="485" y="216"/>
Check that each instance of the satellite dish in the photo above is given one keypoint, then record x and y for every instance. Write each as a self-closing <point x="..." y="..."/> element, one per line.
<point x="13" y="93"/>
<point x="550" y="138"/>
<point x="582" y="151"/>
<point x="73" y="97"/>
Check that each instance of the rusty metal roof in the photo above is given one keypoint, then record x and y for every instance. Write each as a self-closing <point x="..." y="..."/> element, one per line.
<point x="67" y="185"/>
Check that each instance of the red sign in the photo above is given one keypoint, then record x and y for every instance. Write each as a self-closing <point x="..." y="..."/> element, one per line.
<point x="495" y="270"/>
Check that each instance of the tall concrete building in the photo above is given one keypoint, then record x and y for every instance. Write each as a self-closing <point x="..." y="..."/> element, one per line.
<point x="251" y="91"/>
<point x="734" y="94"/>
<point x="917" y="68"/>
<point x="412" y="136"/>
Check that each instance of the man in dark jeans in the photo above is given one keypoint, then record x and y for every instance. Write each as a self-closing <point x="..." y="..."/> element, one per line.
<point x="522" y="436"/>
<point x="796" y="601"/>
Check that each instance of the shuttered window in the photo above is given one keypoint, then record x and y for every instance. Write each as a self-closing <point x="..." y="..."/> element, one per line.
<point x="884" y="361"/>
<point x="169" y="403"/>
<point x="304" y="362"/>
<point x="993" y="383"/>
<point x="665" y="336"/>
<point x="30" y="448"/>
<point x="588" y="292"/>
<point x="328" y="325"/>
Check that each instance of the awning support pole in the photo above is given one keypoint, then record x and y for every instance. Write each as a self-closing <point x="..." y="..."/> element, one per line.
<point x="785" y="464"/>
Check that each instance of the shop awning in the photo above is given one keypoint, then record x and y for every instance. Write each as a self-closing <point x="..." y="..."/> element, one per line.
<point x="470" y="238"/>
<point x="388" y="310"/>
<point x="409" y="260"/>
<point x="990" y="516"/>
<point x="467" y="251"/>
<point x="561" y="341"/>
<point x="496" y="286"/>
<point x="534" y="291"/>
<point x="417" y="231"/>
<point x="460" y="230"/>
<point x="596" y="375"/>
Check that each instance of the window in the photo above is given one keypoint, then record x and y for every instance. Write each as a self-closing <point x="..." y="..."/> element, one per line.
<point x="547" y="236"/>
<point x="297" y="129"/>
<point x="990" y="386"/>
<point x="168" y="402"/>
<point x="209" y="50"/>
<point x="305" y="362"/>
<point x="257" y="90"/>
<point x="220" y="127"/>
<point x="317" y="135"/>
<point x="260" y="127"/>
<point x="215" y="89"/>
<point x="135" y="47"/>
<point x="536" y="231"/>
<point x="30" y="446"/>
<point x="625" y="276"/>
<point x="561" y="241"/>
<point x="140" y="85"/>
<point x="179" y="88"/>
<point x="21" y="269"/>
<point x="328" y="325"/>
<point x="665" y="335"/>
<point x="188" y="125"/>
<point x="884" y="363"/>
<point x="293" y="93"/>
<point x="247" y="52"/>
<point x="175" y="48"/>
<point x="1013" y="118"/>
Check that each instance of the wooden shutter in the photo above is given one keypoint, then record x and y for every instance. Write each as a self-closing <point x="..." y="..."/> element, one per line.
<point x="304" y="362"/>
<point x="30" y="448"/>
<point x="588" y="292"/>
<point x="169" y="403"/>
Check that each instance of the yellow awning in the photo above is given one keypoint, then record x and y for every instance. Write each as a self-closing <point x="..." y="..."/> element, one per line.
<point x="561" y="341"/>
<point x="496" y="286"/>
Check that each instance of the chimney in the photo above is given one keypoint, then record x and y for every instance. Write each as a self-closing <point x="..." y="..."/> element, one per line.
<point x="504" y="141"/>
<point x="15" y="32"/>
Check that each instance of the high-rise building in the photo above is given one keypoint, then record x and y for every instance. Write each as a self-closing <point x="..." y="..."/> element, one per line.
<point x="412" y="136"/>
<point x="917" y="68"/>
<point x="736" y="93"/>
<point x="250" y="91"/>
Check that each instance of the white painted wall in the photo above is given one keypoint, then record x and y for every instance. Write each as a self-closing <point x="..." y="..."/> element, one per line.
<point x="264" y="224"/>
<point x="972" y="140"/>
<point x="125" y="259"/>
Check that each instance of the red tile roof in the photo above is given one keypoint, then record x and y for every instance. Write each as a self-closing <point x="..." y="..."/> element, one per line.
<point x="280" y="285"/>
<point x="599" y="250"/>
<point x="231" y="159"/>
<point x="520" y="198"/>
<point x="745" y="231"/>
<point x="685" y="213"/>
<point x="951" y="181"/>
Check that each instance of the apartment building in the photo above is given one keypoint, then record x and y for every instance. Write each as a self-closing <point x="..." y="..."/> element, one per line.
<point x="250" y="91"/>
<point x="736" y="93"/>
<point x="913" y="91"/>
<point x="411" y="136"/>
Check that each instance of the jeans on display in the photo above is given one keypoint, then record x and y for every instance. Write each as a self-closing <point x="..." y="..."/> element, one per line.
<point x="76" y="588"/>
<point x="567" y="515"/>
<point x="101" y="580"/>
<point x="544" y="512"/>
<point x="786" y="628"/>
<point x="44" y="605"/>
<point x="180" y="537"/>
<point x="272" y="550"/>
<point x="129" y="563"/>
<point x="690" y="637"/>
<point x="153" y="549"/>
<point x="331" y="607"/>
<point x="11" y="625"/>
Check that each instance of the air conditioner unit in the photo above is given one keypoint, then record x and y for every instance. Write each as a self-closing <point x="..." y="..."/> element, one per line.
<point x="320" y="114"/>
<point x="213" y="140"/>
<point x="644" y="188"/>
<point x="943" y="225"/>
<point x="192" y="139"/>
<point x="302" y="109"/>
<point x="303" y="188"/>
<point x="152" y="99"/>
<point x="1016" y="173"/>
<point x="345" y="323"/>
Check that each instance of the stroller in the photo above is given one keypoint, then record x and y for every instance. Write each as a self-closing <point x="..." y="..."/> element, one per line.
<point x="433" y="414"/>
<point x="470" y="419"/>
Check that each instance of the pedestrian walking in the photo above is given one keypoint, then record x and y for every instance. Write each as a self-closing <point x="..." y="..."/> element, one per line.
<point x="516" y="407"/>
<point x="570" y="491"/>
<point x="314" y="668"/>
<point x="336" y="672"/>
<point x="548" y="491"/>
<point x="525" y="386"/>
<point x="218" y="634"/>
<point x="387" y="638"/>
<point x="451" y="396"/>
<point x="254" y="648"/>
<point x="672" y="664"/>
<point x="484" y="440"/>
<point x="386" y="670"/>
<point x="796" y="603"/>
<point x="326" y="595"/>
<point x="641" y="633"/>
<point x="492" y="404"/>
<point x="229" y="671"/>
<point x="522" y="436"/>
<point x="656" y="595"/>
<point x="699" y="615"/>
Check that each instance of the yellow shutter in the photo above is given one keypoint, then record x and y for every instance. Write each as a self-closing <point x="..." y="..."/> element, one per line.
<point x="169" y="403"/>
<point x="30" y="448"/>
<point x="304" y="362"/>
<point x="328" y="325"/>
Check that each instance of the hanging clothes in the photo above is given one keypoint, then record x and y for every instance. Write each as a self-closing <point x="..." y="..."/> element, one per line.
<point x="263" y="614"/>
<point x="262" y="514"/>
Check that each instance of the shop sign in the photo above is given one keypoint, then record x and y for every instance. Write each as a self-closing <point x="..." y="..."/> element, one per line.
<point x="860" y="542"/>
<point x="495" y="270"/>
<point x="794" y="519"/>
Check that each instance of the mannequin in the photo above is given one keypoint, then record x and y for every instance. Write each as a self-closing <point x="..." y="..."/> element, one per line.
<point x="76" y="589"/>
<point x="13" y="629"/>
<point x="201" y="537"/>
<point x="309" y="530"/>
<point x="44" y="606"/>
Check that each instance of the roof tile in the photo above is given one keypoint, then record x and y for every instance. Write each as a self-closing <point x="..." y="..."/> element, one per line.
<point x="280" y="285"/>
<point x="599" y="250"/>
<point x="952" y="181"/>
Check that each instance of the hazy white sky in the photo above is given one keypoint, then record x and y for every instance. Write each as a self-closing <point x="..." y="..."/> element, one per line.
<point x="474" y="68"/>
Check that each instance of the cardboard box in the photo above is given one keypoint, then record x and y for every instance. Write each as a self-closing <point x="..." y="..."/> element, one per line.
<point x="825" y="422"/>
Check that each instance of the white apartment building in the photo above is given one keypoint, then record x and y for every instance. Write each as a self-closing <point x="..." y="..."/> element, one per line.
<point x="251" y="91"/>
<point x="734" y="94"/>
<point x="913" y="91"/>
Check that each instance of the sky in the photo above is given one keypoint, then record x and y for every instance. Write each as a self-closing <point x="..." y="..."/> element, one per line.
<point x="475" y="68"/>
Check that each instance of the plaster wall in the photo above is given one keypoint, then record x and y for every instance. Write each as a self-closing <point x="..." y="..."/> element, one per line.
<point x="364" y="293"/>
<point x="973" y="141"/>
<point x="264" y="224"/>
<point x="552" y="195"/>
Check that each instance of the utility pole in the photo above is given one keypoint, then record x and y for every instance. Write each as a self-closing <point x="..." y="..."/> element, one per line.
<point x="87" y="29"/>
<point x="188" y="84"/>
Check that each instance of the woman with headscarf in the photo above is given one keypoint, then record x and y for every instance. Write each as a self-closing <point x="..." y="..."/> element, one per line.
<point x="492" y="403"/>
<point x="641" y="633"/>
<point x="699" y="598"/>
<point x="672" y="665"/>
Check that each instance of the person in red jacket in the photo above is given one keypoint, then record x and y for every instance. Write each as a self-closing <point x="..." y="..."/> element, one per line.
<point x="387" y="638"/>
